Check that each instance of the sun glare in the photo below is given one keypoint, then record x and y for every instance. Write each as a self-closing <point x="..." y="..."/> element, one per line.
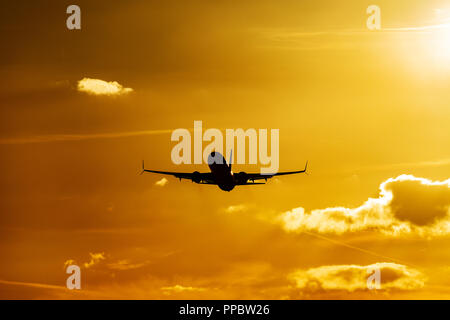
<point x="440" y="45"/>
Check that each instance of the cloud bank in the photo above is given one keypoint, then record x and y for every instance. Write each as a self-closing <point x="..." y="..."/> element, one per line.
<point x="354" y="277"/>
<point x="405" y="205"/>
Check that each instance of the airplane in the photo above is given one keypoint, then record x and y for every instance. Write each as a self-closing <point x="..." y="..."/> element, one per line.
<point x="221" y="174"/>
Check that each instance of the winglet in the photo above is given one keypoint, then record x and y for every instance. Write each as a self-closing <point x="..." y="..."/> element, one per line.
<point x="231" y="158"/>
<point x="143" y="167"/>
<point x="306" y="166"/>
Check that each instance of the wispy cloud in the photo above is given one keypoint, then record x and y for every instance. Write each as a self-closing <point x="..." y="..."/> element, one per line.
<point x="179" y="289"/>
<point x="101" y="87"/>
<point x="122" y="265"/>
<point x="95" y="258"/>
<point x="68" y="263"/>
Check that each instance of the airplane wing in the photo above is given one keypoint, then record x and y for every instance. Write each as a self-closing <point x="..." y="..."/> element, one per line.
<point x="205" y="178"/>
<point x="259" y="176"/>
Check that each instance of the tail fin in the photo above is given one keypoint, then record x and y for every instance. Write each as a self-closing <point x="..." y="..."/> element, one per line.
<point x="231" y="159"/>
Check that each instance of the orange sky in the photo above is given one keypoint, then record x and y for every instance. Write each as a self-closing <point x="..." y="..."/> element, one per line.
<point x="364" y="107"/>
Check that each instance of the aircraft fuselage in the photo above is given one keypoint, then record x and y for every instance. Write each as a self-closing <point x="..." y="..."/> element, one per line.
<point x="221" y="171"/>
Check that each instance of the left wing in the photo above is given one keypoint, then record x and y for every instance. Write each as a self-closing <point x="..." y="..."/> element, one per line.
<point x="259" y="176"/>
<point x="205" y="178"/>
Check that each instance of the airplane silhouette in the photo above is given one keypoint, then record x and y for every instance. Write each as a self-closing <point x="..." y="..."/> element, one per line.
<point x="221" y="174"/>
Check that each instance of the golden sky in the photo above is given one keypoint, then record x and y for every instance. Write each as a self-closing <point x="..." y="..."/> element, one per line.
<point x="369" y="109"/>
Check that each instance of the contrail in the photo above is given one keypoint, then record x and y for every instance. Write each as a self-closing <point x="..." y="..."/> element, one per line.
<point x="81" y="137"/>
<point x="32" y="285"/>
<point x="283" y="35"/>
<point x="358" y="249"/>
<point x="422" y="28"/>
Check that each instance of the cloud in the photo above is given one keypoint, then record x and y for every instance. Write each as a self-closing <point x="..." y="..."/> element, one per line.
<point x="179" y="289"/>
<point x="95" y="258"/>
<point x="236" y="208"/>
<point x="405" y="205"/>
<point x="119" y="265"/>
<point x="122" y="265"/>
<point x="162" y="182"/>
<point x="68" y="263"/>
<point x="101" y="87"/>
<point x="355" y="277"/>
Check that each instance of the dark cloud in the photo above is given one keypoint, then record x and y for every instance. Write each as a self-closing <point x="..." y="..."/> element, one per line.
<point x="419" y="202"/>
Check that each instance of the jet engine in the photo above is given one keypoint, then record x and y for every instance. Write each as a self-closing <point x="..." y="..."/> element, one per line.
<point x="241" y="178"/>
<point x="196" y="177"/>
